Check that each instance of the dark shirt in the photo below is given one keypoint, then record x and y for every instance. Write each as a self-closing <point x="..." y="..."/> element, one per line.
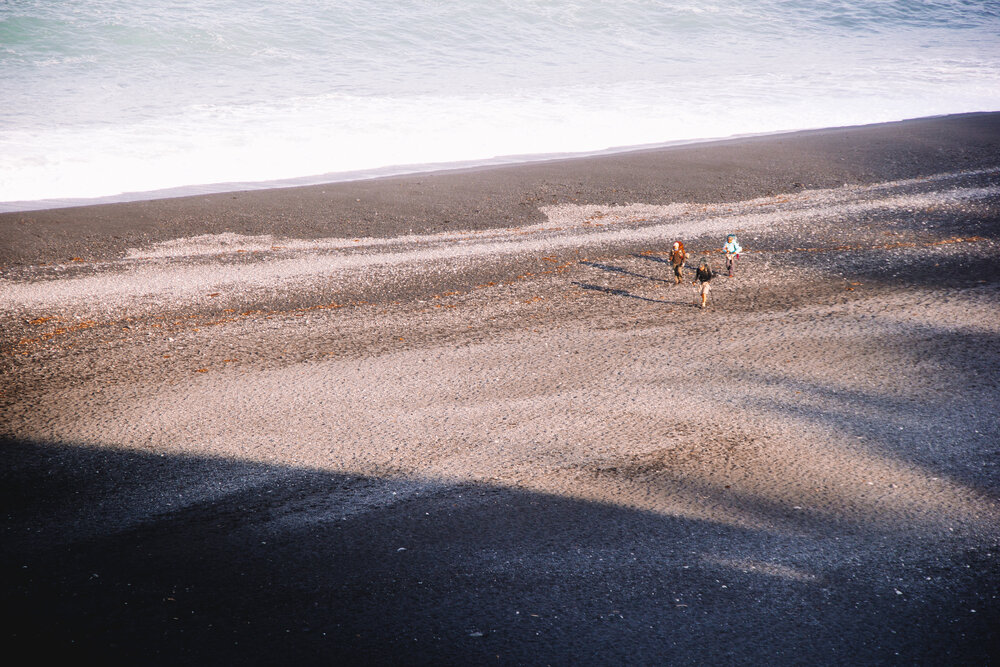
<point x="704" y="274"/>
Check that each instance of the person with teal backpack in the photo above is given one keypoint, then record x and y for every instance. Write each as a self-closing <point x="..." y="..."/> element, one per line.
<point x="732" y="248"/>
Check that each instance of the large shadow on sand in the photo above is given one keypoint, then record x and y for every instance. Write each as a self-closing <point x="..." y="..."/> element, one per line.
<point x="936" y="421"/>
<point x="137" y="558"/>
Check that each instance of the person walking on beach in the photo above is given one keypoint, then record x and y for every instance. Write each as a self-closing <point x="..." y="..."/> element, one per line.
<point x="677" y="259"/>
<point x="732" y="249"/>
<point x="704" y="275"/>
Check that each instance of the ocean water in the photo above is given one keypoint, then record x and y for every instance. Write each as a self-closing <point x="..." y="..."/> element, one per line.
<point x="102" y="97"/>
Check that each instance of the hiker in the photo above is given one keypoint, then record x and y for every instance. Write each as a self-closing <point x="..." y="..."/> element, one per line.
<point x="677" y="259"/>
<point x="704" y="274"/>
<point x="732" y="249"/>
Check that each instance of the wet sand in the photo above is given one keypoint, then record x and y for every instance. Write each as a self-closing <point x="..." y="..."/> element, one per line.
<point x="466" y="417"/>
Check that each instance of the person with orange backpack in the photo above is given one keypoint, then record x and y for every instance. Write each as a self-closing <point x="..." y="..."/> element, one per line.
<point x="677" y="259"/>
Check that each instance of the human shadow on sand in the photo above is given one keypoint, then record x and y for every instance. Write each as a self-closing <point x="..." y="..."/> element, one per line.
<point x="611" y="268"/>
<point x="621" y="292"/>
<point x="139" y="557"/>
<point x="663" y="260"/>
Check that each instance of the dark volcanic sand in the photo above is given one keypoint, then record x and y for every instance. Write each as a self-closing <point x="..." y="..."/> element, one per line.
<point x="482" y="426"/>
<point x="511" y="195"/>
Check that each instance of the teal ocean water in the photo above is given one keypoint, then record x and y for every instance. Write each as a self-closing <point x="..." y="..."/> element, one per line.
<point x="102" y="98"/>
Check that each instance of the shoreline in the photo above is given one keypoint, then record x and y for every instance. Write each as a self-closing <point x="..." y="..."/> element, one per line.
<point x="496" y="196"/>
<point x="390" y="171"/>
<point x="350" y="176"/>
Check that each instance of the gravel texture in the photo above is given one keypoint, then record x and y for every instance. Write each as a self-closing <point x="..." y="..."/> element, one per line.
<point x="487" y="433"/>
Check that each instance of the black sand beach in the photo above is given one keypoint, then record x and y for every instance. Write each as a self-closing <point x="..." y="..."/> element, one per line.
<point x="465" y="417"/>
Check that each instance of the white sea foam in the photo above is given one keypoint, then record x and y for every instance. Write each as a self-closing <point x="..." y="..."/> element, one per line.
<point x="102" y="99"/>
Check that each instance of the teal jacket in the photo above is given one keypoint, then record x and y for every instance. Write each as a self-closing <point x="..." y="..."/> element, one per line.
<point x="733" y="248"/>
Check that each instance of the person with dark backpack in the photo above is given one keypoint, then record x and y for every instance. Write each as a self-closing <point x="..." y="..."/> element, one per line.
<point x="703" y="275"/>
